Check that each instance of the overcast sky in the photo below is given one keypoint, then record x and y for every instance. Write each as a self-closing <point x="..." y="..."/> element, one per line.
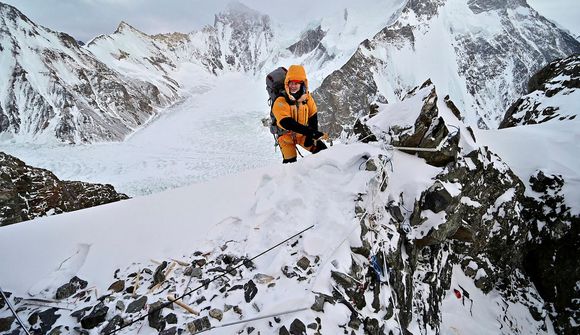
<point x="85" y="19"/>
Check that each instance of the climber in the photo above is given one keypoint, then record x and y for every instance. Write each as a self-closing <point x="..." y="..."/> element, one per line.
<point x="295" y="113"/>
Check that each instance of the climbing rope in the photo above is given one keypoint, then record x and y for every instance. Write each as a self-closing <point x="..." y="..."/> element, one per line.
<point x="14" y="312"/>
<point x="171" y="301"/>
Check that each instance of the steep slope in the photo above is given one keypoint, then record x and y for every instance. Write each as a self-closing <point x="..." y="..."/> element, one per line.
<point x="136" y="55"/>
<point x="554" y="93"/>
<point x="479" y="52"/>
<point x="56" y="90"/>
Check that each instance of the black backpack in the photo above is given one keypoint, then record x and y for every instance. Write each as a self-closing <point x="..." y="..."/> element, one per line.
<point x="275" y="88"/>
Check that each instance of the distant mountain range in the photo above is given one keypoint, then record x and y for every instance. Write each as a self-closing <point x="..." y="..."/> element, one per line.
<point x="481" y="53"/>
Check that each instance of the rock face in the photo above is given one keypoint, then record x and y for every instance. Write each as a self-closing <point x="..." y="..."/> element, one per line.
<point x="552" y="93"/>
<point x="27" y="192"/>
<point x="492" y="60"/>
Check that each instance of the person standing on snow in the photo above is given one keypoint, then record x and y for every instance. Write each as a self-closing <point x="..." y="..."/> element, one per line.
<point x="295" y="112"/>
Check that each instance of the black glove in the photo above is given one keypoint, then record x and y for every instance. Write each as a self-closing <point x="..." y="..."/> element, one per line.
<point x="315" y="134"/>
<point x="308" y="141"/>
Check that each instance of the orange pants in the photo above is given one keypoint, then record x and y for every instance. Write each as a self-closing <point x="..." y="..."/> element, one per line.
<point x="288" y="143"/>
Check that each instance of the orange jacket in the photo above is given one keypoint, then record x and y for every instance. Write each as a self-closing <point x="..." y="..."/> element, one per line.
<point x="301" y="109"/>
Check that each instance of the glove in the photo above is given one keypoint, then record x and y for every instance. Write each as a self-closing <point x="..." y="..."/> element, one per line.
<point x="308" y="141"/>
<point x="316" y="134"/>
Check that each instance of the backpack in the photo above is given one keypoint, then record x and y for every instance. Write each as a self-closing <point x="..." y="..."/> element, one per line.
<point x="275" y="88"/>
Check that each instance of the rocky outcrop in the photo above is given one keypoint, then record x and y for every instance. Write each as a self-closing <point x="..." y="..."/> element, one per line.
<point x="549" y="90"/>
<point x="554" y="231"/>
<point x="27" y="192"/>
<point x="309" y="41"/>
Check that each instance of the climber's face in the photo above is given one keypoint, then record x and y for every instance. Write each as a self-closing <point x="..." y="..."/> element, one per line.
<point x="294" y="86"/>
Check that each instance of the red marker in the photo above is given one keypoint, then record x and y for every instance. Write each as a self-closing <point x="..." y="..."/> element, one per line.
<point x="457" y="293"/>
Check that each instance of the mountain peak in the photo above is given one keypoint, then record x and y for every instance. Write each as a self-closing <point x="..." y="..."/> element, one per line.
<point x="125" y="27"/>
<point x="236" y="7"/>
<point x="238" y="12"/>
<point x="12" y="14"/>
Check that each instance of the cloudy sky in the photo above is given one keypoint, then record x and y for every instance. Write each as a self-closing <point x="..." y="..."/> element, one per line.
<point x="85" y="19"/>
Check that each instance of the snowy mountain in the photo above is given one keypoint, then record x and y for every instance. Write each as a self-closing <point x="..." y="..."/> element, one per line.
<point x="57" y="90"/>
<point x="481" y="53"/>
<point x="362" y="238"/>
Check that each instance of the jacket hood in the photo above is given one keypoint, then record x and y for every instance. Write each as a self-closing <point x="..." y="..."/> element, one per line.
<point x="296" y="72"/>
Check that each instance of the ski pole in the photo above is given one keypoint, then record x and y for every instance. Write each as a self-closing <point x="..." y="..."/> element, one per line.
<point x="14" y="312"/>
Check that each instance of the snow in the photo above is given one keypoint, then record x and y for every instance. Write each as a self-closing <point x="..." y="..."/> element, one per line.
<point x="215" y="130"/>
<point x="550" y="147"/>
<point x="481" y="313"/>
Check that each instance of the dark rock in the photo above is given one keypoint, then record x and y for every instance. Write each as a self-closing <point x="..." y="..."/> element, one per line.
<point x="120" y="305"/>
<point x="115" y="322"/>
<point x="363" y="132"/>
<point x="47" y="319"/>
<point x="309" y="41"/>
<point x="436" y="198"/>
<point x="216" y="314"/>
<point x="200" y="262"/>
<point x="371" y="327"/>
<point x="159" y="275"/>
<point x="312" y="325"/>
<point x="80" y="313"/>
<point x="342" y="279"/>
<point x="170" y="331"/>
<point x="250" y="291"/>
<point x="27" y="192"/>
<point x="318" y="305"/>
<point x="199" y="325"/>
<point x="96" y="317"/>
<point x="59" y="330"/>
<point x="283" y="331"/>
<point x="6" y="323"/>
<point x="193" y="272"/>
<point x="66" y="290"/>
<point x="297" y="327"/>
<point x="137" y="305"/>
<point x="303" y="263"/>
<point x="288" y="272"/>
<point x="117" y="286"/>
<point x="171" y="318"/>
<point x="154" y="316"/>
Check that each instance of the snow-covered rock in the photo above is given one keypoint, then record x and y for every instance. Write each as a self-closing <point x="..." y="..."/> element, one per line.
<point x="553" y="95"/>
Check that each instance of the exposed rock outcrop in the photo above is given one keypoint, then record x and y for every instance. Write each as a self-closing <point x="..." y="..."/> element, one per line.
<point x="27" y="192"/>
<point x="552" y="93"/>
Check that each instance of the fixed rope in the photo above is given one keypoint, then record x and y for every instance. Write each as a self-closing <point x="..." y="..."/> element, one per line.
<point x="171" y="301"/>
